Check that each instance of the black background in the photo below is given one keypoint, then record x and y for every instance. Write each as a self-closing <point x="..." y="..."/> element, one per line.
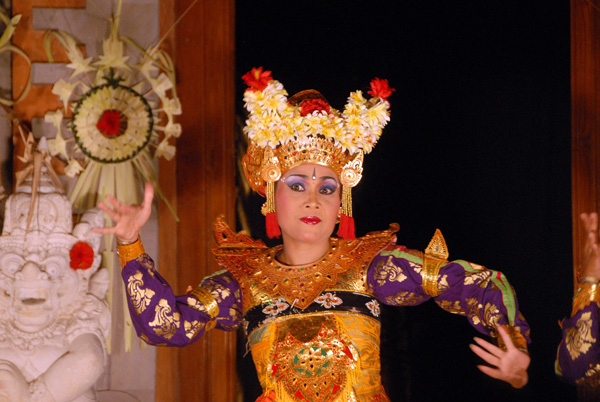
<point x="478" y="146"/>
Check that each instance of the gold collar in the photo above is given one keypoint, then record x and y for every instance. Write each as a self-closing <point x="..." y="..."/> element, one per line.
<point x="301" y="284"/>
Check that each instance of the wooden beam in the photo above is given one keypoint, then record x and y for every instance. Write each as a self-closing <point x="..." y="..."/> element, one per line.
<point x="585" y="109"/>
<point x="204" y="188"/>
<point x="167" y="377"/>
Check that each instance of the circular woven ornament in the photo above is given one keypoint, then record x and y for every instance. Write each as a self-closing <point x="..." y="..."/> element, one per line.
<point x="112" y="123"/>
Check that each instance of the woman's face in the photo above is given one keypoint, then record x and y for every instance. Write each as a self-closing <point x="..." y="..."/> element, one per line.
<point x="307" y="200"/>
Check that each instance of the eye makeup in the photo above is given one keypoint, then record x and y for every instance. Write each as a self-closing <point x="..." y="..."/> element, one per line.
<point x="329" y="184"/>
<point x="299" y="182"/>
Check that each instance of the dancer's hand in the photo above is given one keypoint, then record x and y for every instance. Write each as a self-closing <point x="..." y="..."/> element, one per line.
<point x="510" y="365"/>
<point x="590" y="260"/>
<point x="128" y="219"/>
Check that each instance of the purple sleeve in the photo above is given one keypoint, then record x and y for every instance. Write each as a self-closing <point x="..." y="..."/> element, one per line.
<point x="163" y="319"/>
<point x="484" y="296"/>
<point x="579" y="350"/>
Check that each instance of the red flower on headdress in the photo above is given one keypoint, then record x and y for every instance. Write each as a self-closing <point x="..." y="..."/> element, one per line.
<point x="109" y="123"/>
<point x="257" y="79"/>
<point x="82" y="256"/>
<point x="380" y="89"/>
<point x="310" y="105"/>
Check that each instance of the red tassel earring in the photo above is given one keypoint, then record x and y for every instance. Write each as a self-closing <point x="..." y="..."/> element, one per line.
<point x="268" y="209"/>
<point x="346" y="228"/>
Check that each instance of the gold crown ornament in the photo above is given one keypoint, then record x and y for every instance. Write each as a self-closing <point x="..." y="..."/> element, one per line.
<point x="285" y="133"/>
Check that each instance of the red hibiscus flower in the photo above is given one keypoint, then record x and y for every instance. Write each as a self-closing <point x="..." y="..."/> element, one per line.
<point x="109" y="123"/>
<point x="257" y="79"/>
<point x="82" y="256"/>
<point x="310" y="105"/>
<point x="380" y="89"/>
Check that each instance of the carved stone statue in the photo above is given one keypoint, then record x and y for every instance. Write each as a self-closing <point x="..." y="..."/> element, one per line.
<point x="53" y="317"/>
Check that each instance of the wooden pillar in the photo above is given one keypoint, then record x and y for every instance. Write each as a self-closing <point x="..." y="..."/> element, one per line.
<point x="585" y="87"/>
<point x="201" y="185"/>
<point x="40" y="98"/>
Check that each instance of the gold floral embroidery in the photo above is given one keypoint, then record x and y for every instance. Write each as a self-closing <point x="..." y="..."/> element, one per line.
<point x="591" y="379"/>
<point x="147" y="263"/>
<point x="491" y="314"/>
<point x="145" y="338"/>
<point x="580" y="339"/>
<point x="192" y="328"/>
<point x="220" y="293"/>
<point x="195" y="304"/>
<point x="473" y="310"/>
<point x="443" y="284"/>
<point x="140" y="298"/>
<point x="166" y="321"/>
<point x="451" y="306"/>
<point x="235" y="313"/>
<point x="404" y="299"/>
<point x="479" y="278"/>
<point x="388" y="272"/>
<point x="416" y="267"/>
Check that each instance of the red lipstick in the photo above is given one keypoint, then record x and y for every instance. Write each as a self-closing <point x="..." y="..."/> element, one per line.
<point x="310" y="220"/>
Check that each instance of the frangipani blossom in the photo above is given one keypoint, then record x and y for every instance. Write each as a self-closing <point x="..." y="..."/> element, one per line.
<point x="272" y="121"/>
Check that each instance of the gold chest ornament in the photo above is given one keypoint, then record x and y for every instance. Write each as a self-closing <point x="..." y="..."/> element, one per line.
<point x="309" y="357"/>
<point x="262" y="278"/>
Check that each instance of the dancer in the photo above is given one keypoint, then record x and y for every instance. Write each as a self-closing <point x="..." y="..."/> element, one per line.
<point x="311" y="306"/>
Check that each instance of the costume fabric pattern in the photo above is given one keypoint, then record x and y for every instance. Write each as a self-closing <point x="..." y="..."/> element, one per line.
<point x="314" y="330"/>
<point x="578" y="357"/>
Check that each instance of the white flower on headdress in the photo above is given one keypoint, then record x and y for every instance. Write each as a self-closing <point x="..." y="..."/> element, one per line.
<point x="272" y="121"/>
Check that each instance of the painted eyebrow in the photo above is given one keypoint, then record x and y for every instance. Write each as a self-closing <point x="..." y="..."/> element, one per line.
<point x="303" y="176"/>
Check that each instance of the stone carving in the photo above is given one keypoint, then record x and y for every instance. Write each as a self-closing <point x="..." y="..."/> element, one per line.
<point x="53" y="318"/>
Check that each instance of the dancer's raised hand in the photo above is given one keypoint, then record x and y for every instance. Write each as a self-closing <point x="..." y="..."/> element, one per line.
<point x="128" y="219"/>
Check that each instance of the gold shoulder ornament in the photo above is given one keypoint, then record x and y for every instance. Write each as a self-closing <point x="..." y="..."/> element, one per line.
<point x="234" y="249"/>
<point x="436" y="255"/>
<point x="300" y="285"/>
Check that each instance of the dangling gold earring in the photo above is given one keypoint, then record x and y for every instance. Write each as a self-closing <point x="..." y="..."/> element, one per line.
<point x="338" y="215"/>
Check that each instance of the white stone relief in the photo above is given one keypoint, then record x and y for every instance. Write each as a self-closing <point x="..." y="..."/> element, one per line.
<point x="53" y="318"/>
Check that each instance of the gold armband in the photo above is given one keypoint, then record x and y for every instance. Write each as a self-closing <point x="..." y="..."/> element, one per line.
<point x="436" y="254"/>
<point x="515" y="336"/>
<point x="131" y="251"/>
<point x="586" y="294"/>
<point x="207" y="300"/>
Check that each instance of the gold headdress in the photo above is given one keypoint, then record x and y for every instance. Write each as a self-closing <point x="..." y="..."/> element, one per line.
<point x="285" y="133"/>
